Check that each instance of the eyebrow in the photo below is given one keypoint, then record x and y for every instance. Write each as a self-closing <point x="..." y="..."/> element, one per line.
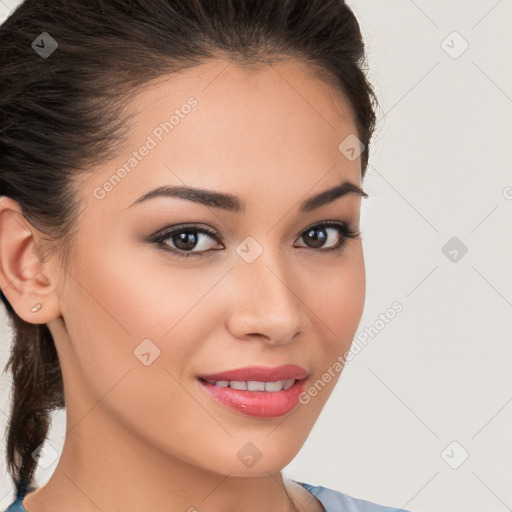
<point x="234" y="204"/>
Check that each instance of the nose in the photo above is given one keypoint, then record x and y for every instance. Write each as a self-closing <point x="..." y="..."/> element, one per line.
<point x="266" y="303"/>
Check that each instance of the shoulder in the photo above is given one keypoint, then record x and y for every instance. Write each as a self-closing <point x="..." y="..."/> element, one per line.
<point x="331" y="500"/>
<point x="336" y="501"/>
<point x="15" y="506"/>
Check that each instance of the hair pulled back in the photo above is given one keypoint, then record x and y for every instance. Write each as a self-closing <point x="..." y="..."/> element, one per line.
<point x="63" y="114"/>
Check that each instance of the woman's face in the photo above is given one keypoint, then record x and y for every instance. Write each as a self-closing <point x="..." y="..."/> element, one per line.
<point x="143" y="324"/>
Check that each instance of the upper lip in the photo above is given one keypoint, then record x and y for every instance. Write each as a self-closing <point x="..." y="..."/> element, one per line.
<point x="259" y="373"/>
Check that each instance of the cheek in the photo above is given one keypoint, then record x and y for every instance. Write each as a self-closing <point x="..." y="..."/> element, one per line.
<point x="125" y="315"/>
<point x="336" y="298"/>
<point x="337" y="301"/>
<point x="109" y="314"/>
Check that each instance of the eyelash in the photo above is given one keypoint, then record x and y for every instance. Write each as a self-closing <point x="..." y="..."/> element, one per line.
<point x="342" y="227"/>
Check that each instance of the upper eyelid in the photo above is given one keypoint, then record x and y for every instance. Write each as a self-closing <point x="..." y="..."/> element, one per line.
<point x="214" y="233"/>
<point x="179" y="228"/>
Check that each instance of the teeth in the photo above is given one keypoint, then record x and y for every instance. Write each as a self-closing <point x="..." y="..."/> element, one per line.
<point x="274" y="386"/>
<point x="288" y="383"/>
<point x="238" y="384"/>
<point x="254" y="385"/>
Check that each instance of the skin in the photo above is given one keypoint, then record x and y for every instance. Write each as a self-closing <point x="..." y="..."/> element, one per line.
<point x="148" y="437"/>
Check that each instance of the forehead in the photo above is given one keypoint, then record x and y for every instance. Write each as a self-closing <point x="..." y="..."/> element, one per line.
<point x="278" y="125"/>
<point x="298" y="88"/>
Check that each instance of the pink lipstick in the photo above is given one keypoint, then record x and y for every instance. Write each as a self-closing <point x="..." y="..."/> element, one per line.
<point x="257" y="391"/>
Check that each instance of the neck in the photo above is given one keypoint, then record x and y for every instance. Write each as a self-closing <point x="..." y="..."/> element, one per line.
<point x="107" y="468"/>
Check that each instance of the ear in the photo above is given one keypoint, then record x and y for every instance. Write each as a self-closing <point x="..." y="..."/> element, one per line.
<point x="24" y="279"/>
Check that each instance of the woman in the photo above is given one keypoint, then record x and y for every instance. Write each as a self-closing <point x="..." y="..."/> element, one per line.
<point x="180" y="253"/>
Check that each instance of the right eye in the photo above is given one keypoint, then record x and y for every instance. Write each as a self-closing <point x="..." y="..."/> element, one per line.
<point x="186" y="238"/>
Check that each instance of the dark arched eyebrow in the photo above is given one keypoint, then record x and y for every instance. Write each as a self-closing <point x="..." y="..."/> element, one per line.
<point x="234" y="204"/>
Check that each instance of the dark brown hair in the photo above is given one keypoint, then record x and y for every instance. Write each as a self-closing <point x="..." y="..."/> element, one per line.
<point x="61" y="115"/>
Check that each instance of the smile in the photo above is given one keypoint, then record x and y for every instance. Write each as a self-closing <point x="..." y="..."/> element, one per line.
<point x="257" y="391"/>
<point x="255" y="385"/>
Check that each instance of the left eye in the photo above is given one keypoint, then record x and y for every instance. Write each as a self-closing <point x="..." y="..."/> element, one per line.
<point x="318" y="234"/>
<point x="184" y="239"/>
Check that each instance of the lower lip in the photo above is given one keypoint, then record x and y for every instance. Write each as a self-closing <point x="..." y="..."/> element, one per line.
<point x="262" y="404"/>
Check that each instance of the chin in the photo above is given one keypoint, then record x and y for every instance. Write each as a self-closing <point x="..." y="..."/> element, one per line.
<point x="249" y="461"/>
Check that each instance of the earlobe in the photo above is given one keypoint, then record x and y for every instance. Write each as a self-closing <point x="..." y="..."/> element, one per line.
<point x="22" y="275"/>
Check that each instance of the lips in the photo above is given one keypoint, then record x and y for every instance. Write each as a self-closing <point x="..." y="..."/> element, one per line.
<point x="257" y="391"/>
<point x="259" y="373"/>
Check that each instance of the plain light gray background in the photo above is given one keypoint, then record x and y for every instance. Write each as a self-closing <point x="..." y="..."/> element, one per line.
<point x="422" y="415"/>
